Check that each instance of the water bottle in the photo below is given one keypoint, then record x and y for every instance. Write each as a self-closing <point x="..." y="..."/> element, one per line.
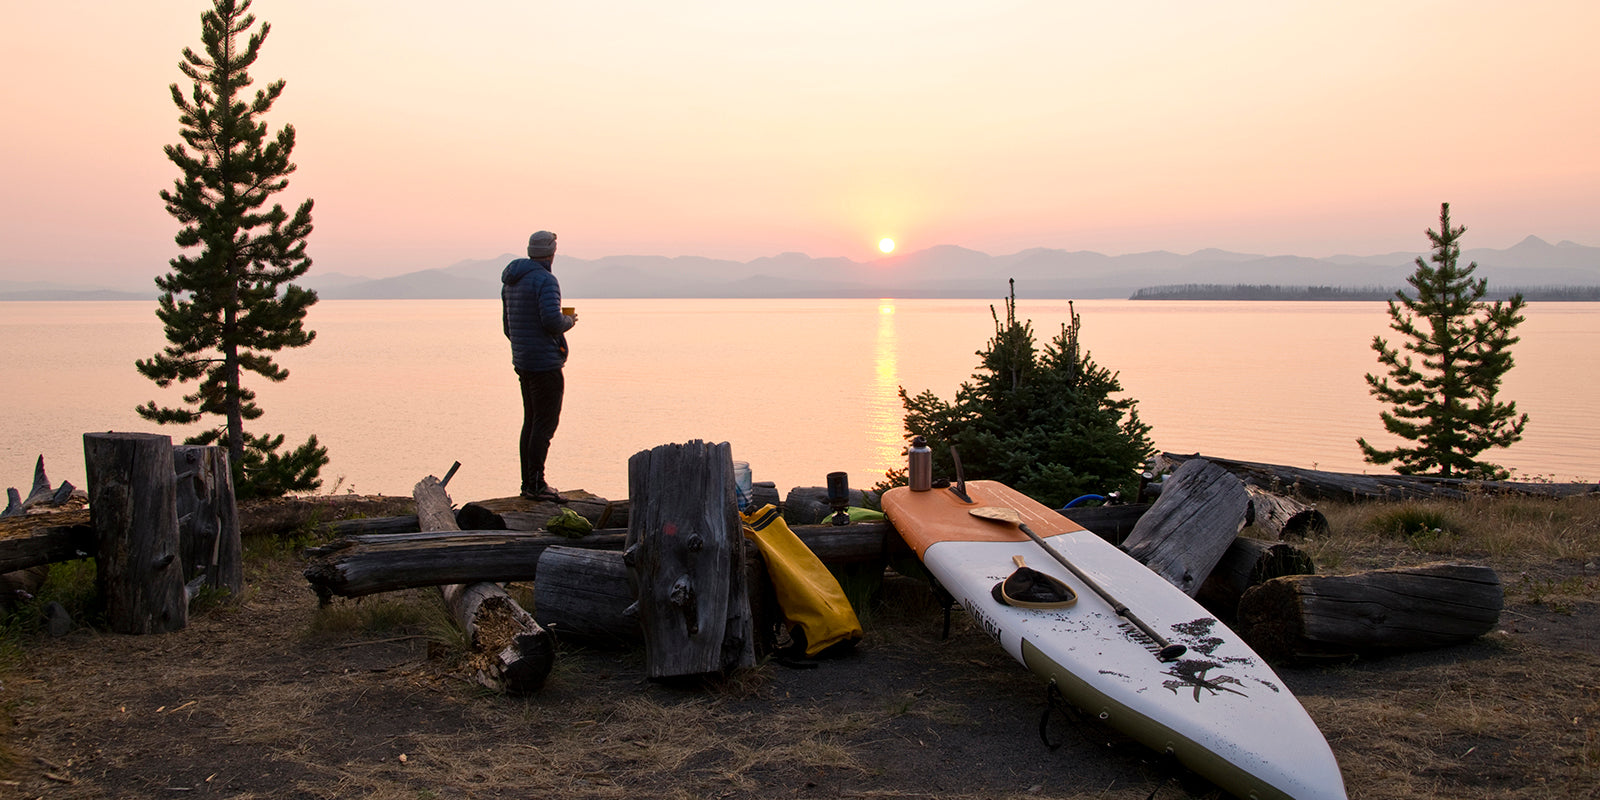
<point x="742" y="487"/>
<point x="921" y="469"/>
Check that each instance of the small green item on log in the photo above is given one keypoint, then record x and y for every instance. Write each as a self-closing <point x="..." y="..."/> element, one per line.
<point x="570" y="524"/>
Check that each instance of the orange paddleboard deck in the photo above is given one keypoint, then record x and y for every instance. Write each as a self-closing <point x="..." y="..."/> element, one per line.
<point x="940" y="515"/>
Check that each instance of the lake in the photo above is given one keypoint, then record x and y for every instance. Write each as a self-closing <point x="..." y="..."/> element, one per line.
<point x="399" y="389"/>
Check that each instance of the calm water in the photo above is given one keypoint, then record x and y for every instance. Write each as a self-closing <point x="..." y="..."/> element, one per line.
<point x="401" y="389"/>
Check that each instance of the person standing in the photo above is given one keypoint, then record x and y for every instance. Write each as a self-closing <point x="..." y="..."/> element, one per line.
<point x="530" y="299"/>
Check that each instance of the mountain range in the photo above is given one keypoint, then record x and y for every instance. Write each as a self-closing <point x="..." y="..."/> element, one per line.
<point x="943" y="271"/>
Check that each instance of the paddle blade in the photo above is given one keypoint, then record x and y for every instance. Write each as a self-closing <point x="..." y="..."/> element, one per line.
<point x="997" y="514"/>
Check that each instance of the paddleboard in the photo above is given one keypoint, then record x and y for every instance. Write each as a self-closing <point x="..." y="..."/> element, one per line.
<point x="1218" y="708"/>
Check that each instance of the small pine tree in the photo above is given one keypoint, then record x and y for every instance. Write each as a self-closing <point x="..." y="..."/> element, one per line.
<point x="222" y="306"/>
<point x="1446" y="404"/>
<point x="1044" y="423"/>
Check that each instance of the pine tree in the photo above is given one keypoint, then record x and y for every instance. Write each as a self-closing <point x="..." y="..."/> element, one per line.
<point x="231" y="304"/>
<point x="1044" y="423"/>
<point x="1446" y="403"/>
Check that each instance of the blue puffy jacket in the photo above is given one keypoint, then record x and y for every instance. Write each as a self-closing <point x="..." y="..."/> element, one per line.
<point x="531" y="315"/>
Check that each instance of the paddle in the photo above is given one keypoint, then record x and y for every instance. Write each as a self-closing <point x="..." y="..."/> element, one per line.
<point x="1168" y="651"/>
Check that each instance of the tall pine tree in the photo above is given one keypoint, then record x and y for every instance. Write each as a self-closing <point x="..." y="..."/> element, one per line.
<point x="229" y="301"/>
<point x="1446" y="403"/>
<point x="1045" y="423"/>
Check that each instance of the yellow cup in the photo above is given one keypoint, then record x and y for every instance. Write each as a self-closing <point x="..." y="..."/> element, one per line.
<point x="570" y="311"/>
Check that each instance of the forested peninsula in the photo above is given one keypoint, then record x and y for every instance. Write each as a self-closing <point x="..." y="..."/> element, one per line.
<point x="1213" y="291"/>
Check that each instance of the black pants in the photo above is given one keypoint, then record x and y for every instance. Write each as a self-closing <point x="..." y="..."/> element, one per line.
<point x="541" y="413"/>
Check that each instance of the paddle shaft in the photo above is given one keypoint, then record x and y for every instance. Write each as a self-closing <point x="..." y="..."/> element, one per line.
<point x="1169" y="651"/>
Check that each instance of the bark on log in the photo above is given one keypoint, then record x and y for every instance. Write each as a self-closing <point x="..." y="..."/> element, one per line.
<point x="47" y="545"/>
<point x="133" y="506"/>
<point x="511" y="652"/>
<point x="808" y="505"/>
<point x="1187" y="529"/>
<point x="522" y="514"/>
<point x="208" y="518"/>
<point x="1111" y="523"/>
<point x="1318" y="485"/>
<point x="1247" y="563"/>
<point x="374" y="525"/>
<point x="363" y="564"/>
<point x="585" y="594"/>
<point x="1337" y="617"/>
<point x="686" y="559"/>
<point x="1283" y="517"/>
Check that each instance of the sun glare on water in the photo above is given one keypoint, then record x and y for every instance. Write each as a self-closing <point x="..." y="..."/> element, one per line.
<point x="886" y="245"/>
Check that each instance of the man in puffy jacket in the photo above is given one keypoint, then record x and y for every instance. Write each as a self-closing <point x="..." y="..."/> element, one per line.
<point x="531" y="314"/>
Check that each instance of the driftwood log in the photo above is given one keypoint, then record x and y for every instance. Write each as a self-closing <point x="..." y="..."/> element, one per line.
<point x="1200" y="511"/>
<point x="686" y="559"/>
<point x="364" y="564"/>
<point x="512" y="653"/>
<point x="1111" y="523"/>
<point x="40" y="494"/>
<point x="133" y="507"/>
<point x="37" y="539"/>
<point x="1247" y="563"/>
<point x="808" y="505"/>
<point x="406" y="523"/>
<point x="26" y="549"/>
<point x="1319" y="485"/>
<point x="522" y="514"/>
<point x="585" y="594"/>
<point x="208" y="518"/>
<point x="1283" y="517"/>
<point x="37" y="531"/>
<point x="1337" y="617"/>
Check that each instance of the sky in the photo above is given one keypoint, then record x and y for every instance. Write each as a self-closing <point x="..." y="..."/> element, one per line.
<point x="428" y="133"/>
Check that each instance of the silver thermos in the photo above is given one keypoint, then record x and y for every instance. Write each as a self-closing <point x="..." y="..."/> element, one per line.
<point x="921" y="469"/>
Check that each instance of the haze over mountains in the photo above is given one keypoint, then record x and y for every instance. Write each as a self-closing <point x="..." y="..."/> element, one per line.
<point x="943" y="271"/>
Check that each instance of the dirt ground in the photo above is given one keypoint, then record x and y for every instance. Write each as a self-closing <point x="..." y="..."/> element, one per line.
<point x="270" y="697"/>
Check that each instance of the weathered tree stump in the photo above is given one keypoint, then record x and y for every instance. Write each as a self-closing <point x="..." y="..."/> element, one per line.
<point x="133" y="507"/>
<point x="585" y="594"/>
<point x="1283" y="517"/>
<point x="686" y="559"/>
<point x="208" y="518"/>
<point x="1309" y="617"/>
<point x="1247" y="563"/>
<point x="1187" y="529"/>
<point x="512" y="653"/>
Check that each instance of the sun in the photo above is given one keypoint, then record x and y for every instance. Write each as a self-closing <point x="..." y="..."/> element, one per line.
<point x="886" y="245"/>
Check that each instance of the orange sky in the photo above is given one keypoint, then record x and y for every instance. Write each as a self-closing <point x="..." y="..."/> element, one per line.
<point x="434" y="132"/>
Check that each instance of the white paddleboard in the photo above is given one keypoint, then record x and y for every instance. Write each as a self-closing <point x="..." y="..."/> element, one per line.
<point x="1218" y="708"/>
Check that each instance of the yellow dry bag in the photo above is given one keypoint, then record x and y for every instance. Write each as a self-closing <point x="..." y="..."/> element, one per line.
<point x="807" y="592"/>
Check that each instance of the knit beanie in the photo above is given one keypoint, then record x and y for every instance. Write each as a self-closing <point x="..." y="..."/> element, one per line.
<point x="542" y="246"/>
